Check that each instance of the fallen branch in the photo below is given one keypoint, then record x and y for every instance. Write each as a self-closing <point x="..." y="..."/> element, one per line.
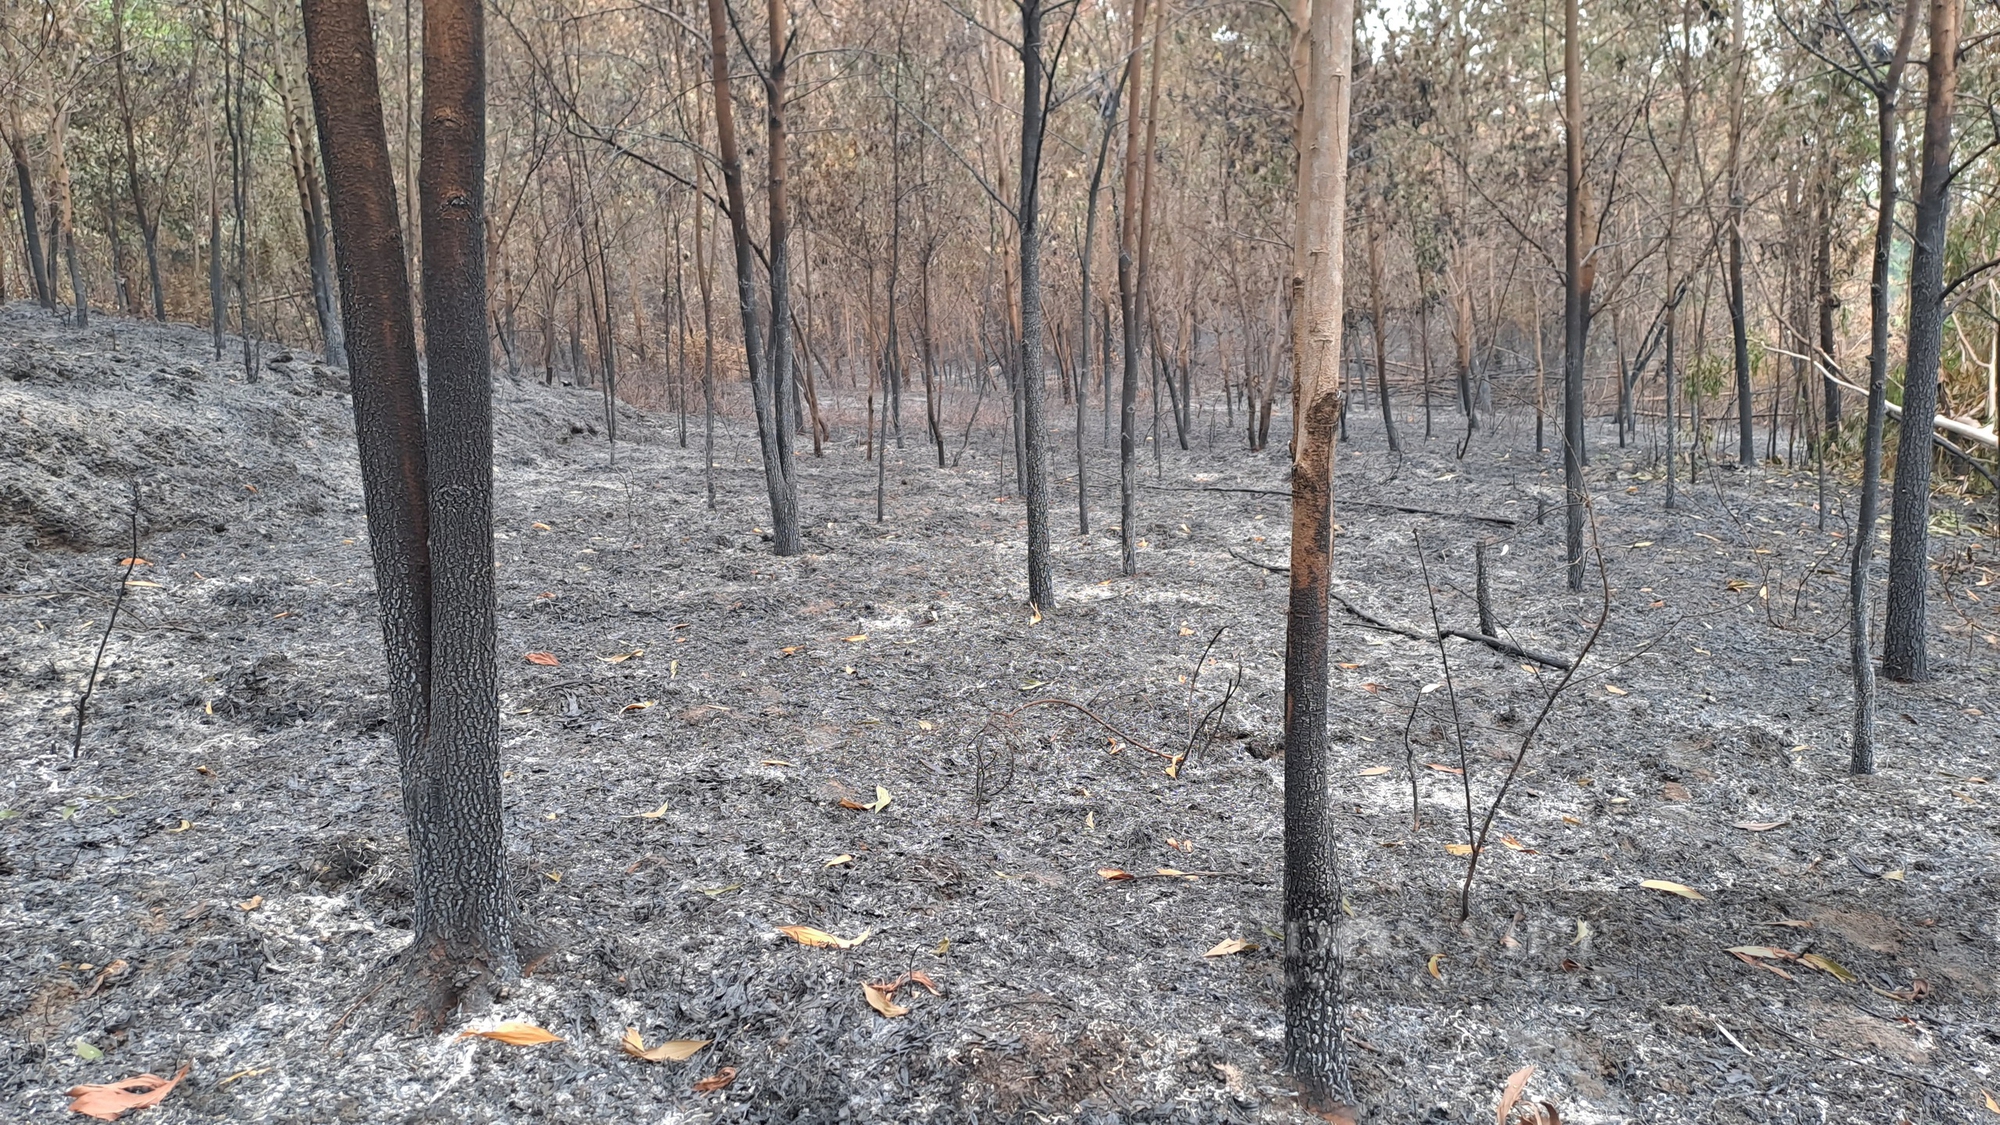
<point x="1504" y="521"/>
<point x="1508" y="647"/>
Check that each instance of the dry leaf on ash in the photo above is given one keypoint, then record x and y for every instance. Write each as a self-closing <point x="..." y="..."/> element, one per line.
<point x="1228" y="946"/>
<point x="1115" y="874"/>
<point x="883" y="1001"/>
<point x="673" y="1050"/>
<point x="108" y="1101"/>
<point x="716" y="1081"/>
<point x="1517" y="1082"/>
<point x="1673" y="888"/>
<point x="806" y="935"/>
<point x="514" y="1034"/>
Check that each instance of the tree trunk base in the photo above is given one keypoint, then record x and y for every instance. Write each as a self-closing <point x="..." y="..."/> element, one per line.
<point x="428" y="986"/>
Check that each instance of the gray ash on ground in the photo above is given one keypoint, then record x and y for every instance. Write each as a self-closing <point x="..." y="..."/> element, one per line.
<point x="222" y="873"/>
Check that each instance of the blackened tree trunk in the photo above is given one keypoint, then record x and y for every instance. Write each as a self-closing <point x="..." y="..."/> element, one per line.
<point x="1314" y="1050"/>
<point x="1739" y="325"/>
<point x="312" y="212"/>
<point x="777" y="478"/>
<point x="1376" y="321"/>
<point x="1886" y="86"/>
<point x="427" y="482"/>
<point x="1128" y="308"/>
<point x="1825" y="303"/>
<point x="31" y="219"/>
<point x="1034" y="428"/>
<point x="1903" y="648"/>
<point x="779" y="393"/>
<point x="1576" y="293"/>
<point x="1110" y="115"/>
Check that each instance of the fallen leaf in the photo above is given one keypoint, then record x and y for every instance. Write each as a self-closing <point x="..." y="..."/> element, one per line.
<point x="86" y="1050"/>
<point x="254" y="902"/>
<point x="673" y="1050"/>
<point x="1115" y="874"/>
<point x="856" y="638"/>
<point x="1442" y="768"/>
<point x="1759" y="825"/>
<point x="1436" y="960"/>
<point x="1516" y="1083"/>
<point x="1671" y="888"/>
<point x="513" y="1034"/>
<point x="545" y="659"/>
<point x="716" y="1081"/>
<point x="1770" y="951"/>
<point x="1675" y="791"/>
<point x="1829" y="966"/>
<point x="540" y="526"/>
<point x="1897" y="875"/>
<point x="622" y="657"/>
<point x="1459" y="849"/>
<point x="1756" y="964"/>
<point x="654" y="815"/>
<point x="883" y="1000"/>
<point x="839" y="859"/>
<point x="774" y="762"/>
<point x="851" y="803"/>
<point x="108" y="1101"/>
<point x="881" y="799"/>
<point x="1990" y="1103"/>
<point x="1614" y="689"/>
<point x="820" y="939"/>
<point x="639" y="706"/>
<point x="713" y="891"/>
<point x="1231" y="945"/>
<point x="185" y="825"/>
<point x="1515" y="844"/>
<point x="1373" y="771"/>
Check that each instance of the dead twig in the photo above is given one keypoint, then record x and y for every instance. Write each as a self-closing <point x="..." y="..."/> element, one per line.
<point x="124" y="586"/>
<point x="1548" y="705"/>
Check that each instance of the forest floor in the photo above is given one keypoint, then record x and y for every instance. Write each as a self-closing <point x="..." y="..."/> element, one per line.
<point x="222" y="873"/>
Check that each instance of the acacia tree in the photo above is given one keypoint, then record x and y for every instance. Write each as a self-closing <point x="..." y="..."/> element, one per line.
<point x="427" y="470"/>
<point x="1578" y="272"/>
<point x="1314" y="1050"/>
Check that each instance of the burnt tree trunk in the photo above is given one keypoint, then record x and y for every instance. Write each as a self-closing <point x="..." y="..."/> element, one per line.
<point x="1903" y="650"/>
<point x="1314" y="1049"/>
<point x="427" y="481"/>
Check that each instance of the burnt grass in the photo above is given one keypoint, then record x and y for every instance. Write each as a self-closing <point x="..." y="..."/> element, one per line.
<point x="221" y="874"/>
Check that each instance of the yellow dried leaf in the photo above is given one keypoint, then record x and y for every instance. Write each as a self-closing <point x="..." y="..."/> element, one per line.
<point x="1229" y="946"/>
<point x="513" y="1034"/>
<point x="836" y="861"/>
<point x="545" y="659"/>
<point x="1373" y="771"/>
<point x="1990" y="1103"/>
<point x="673" y="1050"/>
<point x="654" y="815"/>
<point x="1115" y="874"/>
<point x="540" y="526"/>
<point x="820" y="939"/>
<point x="1514" y="843"/>
<point x="1829" y="966"/>
<point x="254" y="902"/>
<point x="1432" y="967"/>
<point x="1616" y="690"/>
<point x="1770" y="952"/>
<point x="1673" y="888"/>
<point x="1459" y="849"/>
<point x="883" y="1000"/>
<point x="881" y="799"/>
<point x="856" y="638"/>
<point x="639" y="706"/>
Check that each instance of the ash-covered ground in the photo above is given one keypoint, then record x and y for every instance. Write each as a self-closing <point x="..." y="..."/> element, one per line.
<point x="221" y="874"/>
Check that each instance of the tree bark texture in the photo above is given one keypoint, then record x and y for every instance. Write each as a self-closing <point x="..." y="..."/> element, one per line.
<point x="1904" y="655"/>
